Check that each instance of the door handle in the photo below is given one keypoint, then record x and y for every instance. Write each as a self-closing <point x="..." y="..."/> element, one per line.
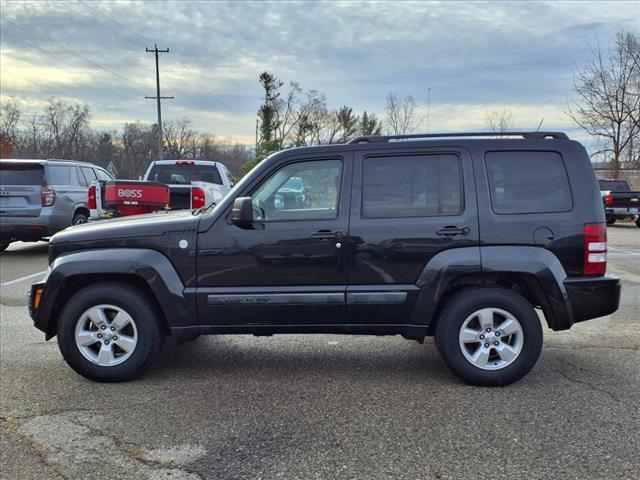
<point x="326" y="235"/>
<point x="450" y="231"/>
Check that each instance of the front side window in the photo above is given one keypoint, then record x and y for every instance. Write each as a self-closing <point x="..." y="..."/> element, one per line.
<point x="411" y="186"/>
<point x="300" y="191"/>
<point x="528" y="182"/>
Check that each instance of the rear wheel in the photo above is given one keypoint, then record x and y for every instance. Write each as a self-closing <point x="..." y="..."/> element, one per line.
<point x="611" y="220"/>
<point x="638" y="222"/>
<point x="79" y="218"/>
<point x="3" y="246"/>
<point x="489" y="336"/>
<point x="109" y="333"/>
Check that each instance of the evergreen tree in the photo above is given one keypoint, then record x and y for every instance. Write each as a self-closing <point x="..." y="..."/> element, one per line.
<point x="370" y="125"/>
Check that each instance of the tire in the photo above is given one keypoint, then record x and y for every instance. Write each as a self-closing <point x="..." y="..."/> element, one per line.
<point x="3" y="246"/>
<point x="128" y="359"/>
<point x="610" y="220"/>
<point x="79" y="218"/>
<point x="491" y="305"/>
<point x="638" y="222"/>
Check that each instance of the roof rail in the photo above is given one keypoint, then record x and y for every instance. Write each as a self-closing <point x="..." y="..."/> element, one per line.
<point x="416" y="136"/>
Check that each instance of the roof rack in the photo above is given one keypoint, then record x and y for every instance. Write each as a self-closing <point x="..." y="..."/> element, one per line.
<point x="416" y="136"/>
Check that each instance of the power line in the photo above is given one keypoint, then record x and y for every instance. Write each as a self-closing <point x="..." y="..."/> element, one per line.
<point x="91" y="62"/>
<point x="139" y="35"/>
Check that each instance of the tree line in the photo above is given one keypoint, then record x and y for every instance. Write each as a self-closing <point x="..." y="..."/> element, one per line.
<point x="605" y="103"/>
<point x="62" y="130"/>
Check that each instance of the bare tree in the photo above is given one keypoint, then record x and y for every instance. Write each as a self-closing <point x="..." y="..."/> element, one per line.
<point x="179" y="139"/>
<point x="9" y="119"/>
<point x="401" y="117"/>
<point x="139" y="144"/>
<point x="499" y="121"/>
<point x="607" y="97"/>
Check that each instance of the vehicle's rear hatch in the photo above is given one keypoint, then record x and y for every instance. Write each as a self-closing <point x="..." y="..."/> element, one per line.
<point x="21" y="189"/>
<point x="625" y="200"/>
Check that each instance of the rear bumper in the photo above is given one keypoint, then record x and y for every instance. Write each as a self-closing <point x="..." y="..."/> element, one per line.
<point x="30" y="228"/>
<point x="620" y="212"/>
<point x="592" y="297"/>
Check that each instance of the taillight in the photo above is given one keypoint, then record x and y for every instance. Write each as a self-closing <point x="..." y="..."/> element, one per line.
<point x="48" y="196"/>
<point x="92" y="198"/>
<point x="185" y="162"/>
<point x="595" y="249"/>
<point x="197" y="197"/>
<point x="608" y="198"/>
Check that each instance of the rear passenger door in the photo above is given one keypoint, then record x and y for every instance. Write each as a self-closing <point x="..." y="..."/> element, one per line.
<point x="407" y="206"/>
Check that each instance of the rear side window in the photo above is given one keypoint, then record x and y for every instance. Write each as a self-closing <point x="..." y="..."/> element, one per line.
<point x="411" y="186"/>
<point x="59" y="175"/>
<point x="21" y="174"/>
<point x="528" y="182"/>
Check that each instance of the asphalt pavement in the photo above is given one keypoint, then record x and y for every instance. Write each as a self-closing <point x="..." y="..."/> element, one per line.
<point x="322" y="406"/>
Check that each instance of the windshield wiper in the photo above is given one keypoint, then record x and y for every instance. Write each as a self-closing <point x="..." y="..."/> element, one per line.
<point x="203" y="208"/>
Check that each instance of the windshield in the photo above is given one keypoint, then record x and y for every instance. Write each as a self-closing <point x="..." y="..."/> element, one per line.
<point x="184" y="174"/>
<point x="614" y="185"/>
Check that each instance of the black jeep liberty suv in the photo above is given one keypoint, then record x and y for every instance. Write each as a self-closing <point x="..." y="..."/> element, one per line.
<point x="462" y="236"/>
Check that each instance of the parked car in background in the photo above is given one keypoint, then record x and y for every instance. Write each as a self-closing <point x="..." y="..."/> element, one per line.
<point x="620" y="203"/>
<point x="461" y="236"/>
<point x="191" y="182"/>
<point x="41" y="197"/>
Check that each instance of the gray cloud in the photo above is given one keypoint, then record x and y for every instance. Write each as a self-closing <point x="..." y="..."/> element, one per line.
<point x="486" y="55"/>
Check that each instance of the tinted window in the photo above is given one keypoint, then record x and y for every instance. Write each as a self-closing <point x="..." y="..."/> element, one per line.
<point x="89" y="174"/>
<point x="528" y="182"/>
<point x="20" y="174"/>
<point x="315" y="196"/>
<point x="184" y="174"/>
<point x="59" y="175"/>
<point x="614" y="185"/>
<point x="411" y="186"/>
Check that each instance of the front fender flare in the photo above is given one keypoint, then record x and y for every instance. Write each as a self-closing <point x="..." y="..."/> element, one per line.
<point x="149" y="265"/>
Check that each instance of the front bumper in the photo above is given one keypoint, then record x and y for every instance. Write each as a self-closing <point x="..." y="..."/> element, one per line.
<point x="34" y="301"/>
<point x="593" y="297"/>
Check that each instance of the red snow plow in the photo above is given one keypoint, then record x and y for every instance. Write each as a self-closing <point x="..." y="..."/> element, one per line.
<point x="117" y="198"/>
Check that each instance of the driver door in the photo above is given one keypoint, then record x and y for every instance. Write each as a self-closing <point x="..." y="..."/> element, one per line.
<point x="290" y="267"/>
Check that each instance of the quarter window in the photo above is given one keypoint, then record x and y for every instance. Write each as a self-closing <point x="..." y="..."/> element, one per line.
<point x="89" y="174"/>
<point x="411" y="186"/>
<point x="300" y="191"/>
<point x="528" y="182"/>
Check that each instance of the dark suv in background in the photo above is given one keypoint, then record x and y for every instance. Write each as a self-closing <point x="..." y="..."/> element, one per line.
<point x="41" y="197"/>
<point x="461" y="236"/>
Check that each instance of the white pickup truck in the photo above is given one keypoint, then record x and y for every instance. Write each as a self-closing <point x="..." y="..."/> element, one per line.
<point x="167" y="185"/>
<point x="192" y="183"/>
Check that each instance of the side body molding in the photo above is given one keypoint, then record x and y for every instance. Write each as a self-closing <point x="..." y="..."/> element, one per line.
<point x="437" y="275"/>
<point x="149" y="265"/>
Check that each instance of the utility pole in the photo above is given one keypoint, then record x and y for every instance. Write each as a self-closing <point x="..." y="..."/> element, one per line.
<point x="428" y="110"/>
<point x="158" y="98"/>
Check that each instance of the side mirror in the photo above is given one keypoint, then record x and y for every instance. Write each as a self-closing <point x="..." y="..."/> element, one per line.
<point x="242" y="211"/>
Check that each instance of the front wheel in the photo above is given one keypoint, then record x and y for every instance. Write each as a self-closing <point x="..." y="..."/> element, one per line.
<point x="489" y="336"/>
<point x="109" y="333"/>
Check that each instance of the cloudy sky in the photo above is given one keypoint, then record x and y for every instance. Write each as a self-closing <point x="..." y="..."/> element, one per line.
<point x="474" y="56"/>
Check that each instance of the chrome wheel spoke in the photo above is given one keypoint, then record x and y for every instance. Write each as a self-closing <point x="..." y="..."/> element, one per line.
<point x="97" y="316"/>
<point x="126" y="343"/>
<point x="84" y="338"/>
<point x="467" y="335"/>
<point x="506" y="352"/>
<point x="105" y="355"/>
<point x="481" y="357"/>
<point x="121" y="320"/>
<point x="485" y="317"/>
<point x="508" y="327"/>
